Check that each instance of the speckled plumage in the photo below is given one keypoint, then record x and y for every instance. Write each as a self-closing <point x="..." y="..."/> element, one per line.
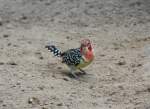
<point x="75" y="58"/>
<point x="54" y="50"/>
<point x="72" y="57"/>
<point x="69" y="57"/>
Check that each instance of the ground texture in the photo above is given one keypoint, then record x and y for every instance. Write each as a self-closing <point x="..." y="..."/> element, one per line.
<point x="31" y="78"/>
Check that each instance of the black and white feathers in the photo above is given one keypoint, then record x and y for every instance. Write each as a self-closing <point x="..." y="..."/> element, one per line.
<point x="54" y="50"/>
<point x="69" y="57"/>
<point x="72" y="56"/>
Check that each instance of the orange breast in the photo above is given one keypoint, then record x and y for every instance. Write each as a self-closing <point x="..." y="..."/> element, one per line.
<point x="89" y="56"/>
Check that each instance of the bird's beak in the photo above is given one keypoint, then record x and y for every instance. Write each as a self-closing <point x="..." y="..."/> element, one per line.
<point x="86" y="49"/>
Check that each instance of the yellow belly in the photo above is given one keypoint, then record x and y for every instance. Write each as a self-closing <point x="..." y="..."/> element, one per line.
<point x="83" y="64"/>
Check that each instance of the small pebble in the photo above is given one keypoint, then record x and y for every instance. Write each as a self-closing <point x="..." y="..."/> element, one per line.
<point x="59" y="67"/>
<point x="15" y="46"/>
<point x="44" y="108"/>
<point x="102" y="55"/>
<point x="38" y="53"/>
<point x="23" y="90"/>
<point x="47" y="4"/>
<point x="67" y="37"/>
<point x="5" y="35"/>
<point x="1" y="63"/>
<point x="4" y="105"/>
<point x="66" y="79"/>
<point x="9" y="44"/>
<point x="23" y="17"/>
<point x="121" y="63"/>
<point x="91" y="87"/>
<point x="52" y="87"/>
<point x="1" y="23"/>
<point x="148" y="89"/>
<point x="33" y="100"/>
<point x="41" y="57"/>
<point x="139" y="65"/>
<point x="18" y="83"/>
<point x="11" y="63"/>
<point x="59" y="104"/>
<point x="41" y="87"/>
<point x="29" y="42"/>
<point x="1" y="101"/>
<point x="121" y="56"/>
<point x="121" y="87"/>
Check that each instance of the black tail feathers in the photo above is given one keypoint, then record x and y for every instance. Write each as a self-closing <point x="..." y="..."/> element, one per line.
<point x="54" y="50"/>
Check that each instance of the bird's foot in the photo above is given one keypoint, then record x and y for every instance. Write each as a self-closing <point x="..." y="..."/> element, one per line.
<point x="83" y="72"/>
<point x="73" y="75"/>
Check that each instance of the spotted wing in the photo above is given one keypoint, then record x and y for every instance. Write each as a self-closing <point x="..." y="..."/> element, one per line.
<point x="72" y="57"/>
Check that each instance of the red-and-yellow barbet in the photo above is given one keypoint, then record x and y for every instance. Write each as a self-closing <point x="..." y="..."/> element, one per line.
<point x="76" y="58"/>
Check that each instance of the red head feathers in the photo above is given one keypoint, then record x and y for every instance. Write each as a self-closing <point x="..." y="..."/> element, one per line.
<point x="86" y="43"/>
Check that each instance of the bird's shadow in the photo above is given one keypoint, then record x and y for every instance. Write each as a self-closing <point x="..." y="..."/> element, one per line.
<point x="67" y="73"/>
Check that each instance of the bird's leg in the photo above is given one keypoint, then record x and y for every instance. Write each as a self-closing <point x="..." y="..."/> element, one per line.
<point x="74" y="75"/>
<point x="72" y="71"/>
<point x="83" y="72"/>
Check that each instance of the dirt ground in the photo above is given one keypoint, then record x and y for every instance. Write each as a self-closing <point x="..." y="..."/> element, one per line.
<point x="31" y="78"/>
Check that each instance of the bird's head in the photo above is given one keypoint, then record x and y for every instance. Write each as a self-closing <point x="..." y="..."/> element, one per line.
<point x="86" y="46"/>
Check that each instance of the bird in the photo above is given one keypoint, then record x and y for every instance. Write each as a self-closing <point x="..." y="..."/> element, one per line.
<point x="75" y="58"/>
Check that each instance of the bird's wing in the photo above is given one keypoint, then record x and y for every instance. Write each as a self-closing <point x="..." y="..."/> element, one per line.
<point x="72" y="57"/>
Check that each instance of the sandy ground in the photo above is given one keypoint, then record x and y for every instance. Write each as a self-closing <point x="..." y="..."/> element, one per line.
<point x="31" y="78"/>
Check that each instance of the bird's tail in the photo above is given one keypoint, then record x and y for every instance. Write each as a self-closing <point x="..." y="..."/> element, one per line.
<point x="54" y="50"/>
